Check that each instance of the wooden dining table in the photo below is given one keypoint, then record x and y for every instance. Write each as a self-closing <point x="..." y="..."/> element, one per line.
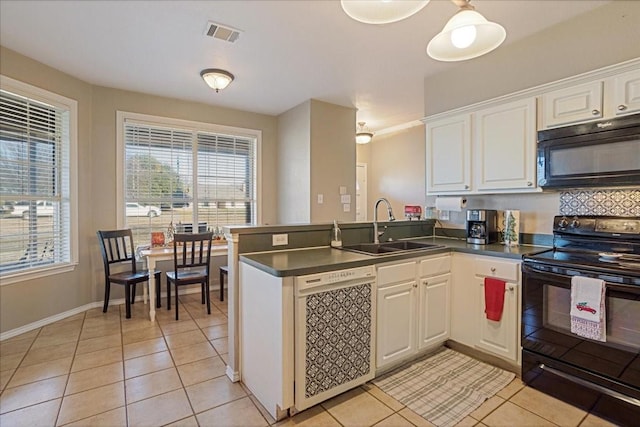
<point x="152" y="256"/>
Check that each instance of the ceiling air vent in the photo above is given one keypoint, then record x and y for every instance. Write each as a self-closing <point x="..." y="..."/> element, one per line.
<point x="222" y="32"/>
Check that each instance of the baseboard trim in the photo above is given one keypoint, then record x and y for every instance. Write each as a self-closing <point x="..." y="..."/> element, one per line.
<point x="234" y="376"/>
<point x="60" y="316"/>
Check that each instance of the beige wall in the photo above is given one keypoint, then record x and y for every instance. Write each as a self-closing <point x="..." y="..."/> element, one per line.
<point x="27" y="302"/>
<point x="396" y="169"/>
<point x="294" y="173"/>
<point x="317" y="155"/>
<point x="333" y="160"/>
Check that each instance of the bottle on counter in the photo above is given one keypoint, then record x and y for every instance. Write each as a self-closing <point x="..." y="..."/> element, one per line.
<point x="336" y="236"/>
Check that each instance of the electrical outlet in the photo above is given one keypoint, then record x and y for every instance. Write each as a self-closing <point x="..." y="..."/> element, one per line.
<point x="279" y="239"/>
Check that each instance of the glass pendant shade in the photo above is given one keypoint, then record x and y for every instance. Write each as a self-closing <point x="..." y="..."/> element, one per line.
<point x="381" y="11"/>
<point x="217" y="79"/>
<point x="467" y="35"/>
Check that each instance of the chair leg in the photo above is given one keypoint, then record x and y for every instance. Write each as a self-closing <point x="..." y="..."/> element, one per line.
<point x="208" y="297"/>
<point x="168" y="293"/>
<point x="176" y="289"/>
<point x="107" y="291"/>
<point x="157" y="283"/>
<point x="133" y="295"/>
<point x="221" y="286"/>
<point x="202" y="292"/>
<point x="127" y="300"/>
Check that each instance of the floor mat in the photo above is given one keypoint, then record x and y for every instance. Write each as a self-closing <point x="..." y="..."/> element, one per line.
<point x="444" y="387"/>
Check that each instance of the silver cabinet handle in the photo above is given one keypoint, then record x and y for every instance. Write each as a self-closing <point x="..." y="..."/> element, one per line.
<point x="595" y="112"/>
<point x="415" y="285"/>
<point x="493" y="269"/>
<point x="622" y="107"/>
<point x="511" y="288"/>
<point x="529" y="183"/>
<point x="466" y="187"/>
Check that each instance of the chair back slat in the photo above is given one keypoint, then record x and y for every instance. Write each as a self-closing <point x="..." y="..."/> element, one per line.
<point x="117" y="247"/>
<point x="191" y="250"/>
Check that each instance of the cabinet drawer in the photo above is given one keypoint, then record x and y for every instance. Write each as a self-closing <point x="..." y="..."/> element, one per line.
<point x="396" y="273"/>
<point x="499" y="269"/>
<point x="435" y="266"/>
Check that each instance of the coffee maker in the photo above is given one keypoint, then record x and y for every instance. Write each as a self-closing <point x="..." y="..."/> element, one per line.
<point x="482" y="226"/>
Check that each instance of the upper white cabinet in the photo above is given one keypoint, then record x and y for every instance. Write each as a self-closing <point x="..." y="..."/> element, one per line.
<point x="502" y="141"/>
<point x="614" y="96"/>
<point x="572" y="104"/>
<point x="505" y="143"/>
<point x="449" y="154"/>
<point x="626" y="93"/>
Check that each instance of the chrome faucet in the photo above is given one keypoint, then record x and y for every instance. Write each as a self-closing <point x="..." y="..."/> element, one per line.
<point x="376" y="234"/>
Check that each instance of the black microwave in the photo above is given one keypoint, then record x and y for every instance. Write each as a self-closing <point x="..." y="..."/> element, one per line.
<point x="596" y="154"/>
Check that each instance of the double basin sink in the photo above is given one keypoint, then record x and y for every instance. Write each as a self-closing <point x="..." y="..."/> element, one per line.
<point x="391" y="248"/>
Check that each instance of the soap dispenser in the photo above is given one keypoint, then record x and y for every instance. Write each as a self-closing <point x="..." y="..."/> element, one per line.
<point x="336" y="236"/>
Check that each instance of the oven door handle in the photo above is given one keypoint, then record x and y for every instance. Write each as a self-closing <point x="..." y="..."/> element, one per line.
<point x="566" y="280"/>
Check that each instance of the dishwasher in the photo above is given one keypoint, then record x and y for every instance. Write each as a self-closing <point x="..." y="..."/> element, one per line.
<point x="334" y="333"/>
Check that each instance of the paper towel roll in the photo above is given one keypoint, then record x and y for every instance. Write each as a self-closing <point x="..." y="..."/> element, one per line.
<point x="450" y="203"/>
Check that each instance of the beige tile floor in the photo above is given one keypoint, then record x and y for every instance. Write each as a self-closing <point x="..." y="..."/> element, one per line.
<point x="96" y="369"/>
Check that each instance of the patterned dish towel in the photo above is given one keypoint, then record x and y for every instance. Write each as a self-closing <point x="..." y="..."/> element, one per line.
<point x="588" y="317"/>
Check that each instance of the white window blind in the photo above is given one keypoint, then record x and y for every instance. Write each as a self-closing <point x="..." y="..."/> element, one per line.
<point x="34" y="184"/>
<point x="184" y="176"/>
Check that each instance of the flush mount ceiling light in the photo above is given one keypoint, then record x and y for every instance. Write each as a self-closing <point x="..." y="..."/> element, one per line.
<point x="467" y="35"/>
<point x="363" y="136"/>
<point x="217" y="79"/>
<point x="381" y="11"/>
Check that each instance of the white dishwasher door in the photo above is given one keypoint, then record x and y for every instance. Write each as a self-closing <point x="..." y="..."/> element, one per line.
<point x="334" y="333"/>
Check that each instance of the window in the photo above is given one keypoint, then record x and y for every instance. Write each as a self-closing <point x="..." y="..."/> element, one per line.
<point x="37" y="172"/>
<point x="184" y="173"/>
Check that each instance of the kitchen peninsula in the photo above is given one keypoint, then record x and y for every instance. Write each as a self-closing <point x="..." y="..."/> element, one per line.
<point x="276" y="288"/>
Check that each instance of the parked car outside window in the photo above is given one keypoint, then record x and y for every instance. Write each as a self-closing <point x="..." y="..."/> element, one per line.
<point x="136" y="209"/>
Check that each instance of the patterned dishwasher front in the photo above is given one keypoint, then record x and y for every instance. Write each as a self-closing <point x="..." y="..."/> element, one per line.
<point x="337" y="350"/>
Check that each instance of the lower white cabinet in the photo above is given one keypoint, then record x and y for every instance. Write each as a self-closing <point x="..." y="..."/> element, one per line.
<point x="469" y="323"/>
<point x="413" y="307"/>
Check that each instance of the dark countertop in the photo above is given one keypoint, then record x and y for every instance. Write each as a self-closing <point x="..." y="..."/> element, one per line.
<point x="297" y="262"/>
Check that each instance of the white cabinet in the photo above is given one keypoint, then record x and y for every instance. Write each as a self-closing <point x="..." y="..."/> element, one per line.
<point x="413" y="307"/>
<point x="573" y="104"/>
<point x="505" y="143"/>
<point x="502" y="337"/>
<point x="500" y="138"/>
<point x="618" y="95"/>
<point x="469" y="323"/>
<point x="449" y="155"/>
<point x="434" y="300"/>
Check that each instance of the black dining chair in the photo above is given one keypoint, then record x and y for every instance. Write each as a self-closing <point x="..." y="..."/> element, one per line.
<point x="117" y="248"/>
<point x="191" y="260"/>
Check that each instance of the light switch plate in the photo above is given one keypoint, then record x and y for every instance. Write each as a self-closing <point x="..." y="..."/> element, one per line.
<point x="279" y="239"/>
<point x="345" y="198"/>
<point x="343" y="189"/>
<point x="346" y="207"/>
<point x="320" y="199"/>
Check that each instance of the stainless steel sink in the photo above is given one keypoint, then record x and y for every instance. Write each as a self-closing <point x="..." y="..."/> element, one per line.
<point x="390" y="248"/>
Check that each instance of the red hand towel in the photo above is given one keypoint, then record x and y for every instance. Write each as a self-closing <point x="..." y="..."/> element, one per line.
<point x="493" y="298"/>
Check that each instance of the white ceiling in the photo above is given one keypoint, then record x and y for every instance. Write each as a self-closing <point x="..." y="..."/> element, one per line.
<point x="289" y="52"/>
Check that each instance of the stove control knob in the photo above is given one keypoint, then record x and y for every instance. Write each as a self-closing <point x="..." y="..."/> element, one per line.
<point x="563" y="222"/>
<point x="575" y="223"/>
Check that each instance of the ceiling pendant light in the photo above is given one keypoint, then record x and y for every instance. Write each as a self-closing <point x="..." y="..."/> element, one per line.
<point x="467" y="35"/>
<point x="363" y="136"/>
<point x="381" y="11"/>
<point x="217" y="79"/>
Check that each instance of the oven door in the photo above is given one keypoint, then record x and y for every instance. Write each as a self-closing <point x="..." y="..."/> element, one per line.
<point x="611" y="367"/>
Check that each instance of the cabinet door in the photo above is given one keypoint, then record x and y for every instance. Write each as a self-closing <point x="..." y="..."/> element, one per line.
<point x="570" y="105"/>
<point x="500" y="337"/>
<point x="464" y="300"/>
<point x="433" y="310"/>
<point x="505" y="137"/>
<point x="626" y="93"/>
<point x="449" y="155"/>
<point x="396" y="322"/>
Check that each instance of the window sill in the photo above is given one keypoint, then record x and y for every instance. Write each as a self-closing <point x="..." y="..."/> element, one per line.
<point x="17" y="277"/>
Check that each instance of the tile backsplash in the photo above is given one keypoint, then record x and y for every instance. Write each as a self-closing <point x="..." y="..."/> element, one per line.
<point x="600" y="202"/>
